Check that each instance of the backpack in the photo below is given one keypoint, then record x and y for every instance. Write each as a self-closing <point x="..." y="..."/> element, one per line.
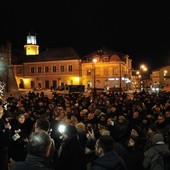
<point x="162" y="161"/>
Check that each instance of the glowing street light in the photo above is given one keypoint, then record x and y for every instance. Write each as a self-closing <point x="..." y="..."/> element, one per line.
<point x="94" y="76"/>
<point x="142" y="69"/>
<point x="165" y="74"/>
<point x="139" y="79"/>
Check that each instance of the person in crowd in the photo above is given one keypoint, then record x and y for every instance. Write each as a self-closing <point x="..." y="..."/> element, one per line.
<point x="5" y="137"/>
<point x="118" y="147"/>
<point x="122" y="129"/>
<point x="18" y="149"/>
<point x="81" y="131"/>
<point x="152" y="130"/>
<point x="163" y="127"/>
<point x="167" y="116"/>
<point x="44" y="124"/>
<point x="152" y="156"/>
<point x="39" y="146"/>
<point x="70" y="155"/>
<point x="134" y="147"/>
<point x="108" y="158"/>
<point x="161" y="123"/>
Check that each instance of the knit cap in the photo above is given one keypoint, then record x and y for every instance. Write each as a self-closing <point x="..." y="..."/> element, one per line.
<point x="157" y="138"/>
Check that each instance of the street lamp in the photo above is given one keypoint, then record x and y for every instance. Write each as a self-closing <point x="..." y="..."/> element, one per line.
<point x="165" y="74"/>
<point x="94" y="75"/>
<point x="143" y="69"/>
<point x="120" y="77"/>
<point x="139" y="79"/>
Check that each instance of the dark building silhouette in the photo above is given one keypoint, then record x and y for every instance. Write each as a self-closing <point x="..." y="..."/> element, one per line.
<point x="6" y="70"/>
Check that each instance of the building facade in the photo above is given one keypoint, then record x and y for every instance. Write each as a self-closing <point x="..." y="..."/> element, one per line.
<point x="104" y="69"/>
<point x="161" y="76"/>
<point x="50" y="69"/>
<point x="7" y="76"/>
<point x="63" y="66"/>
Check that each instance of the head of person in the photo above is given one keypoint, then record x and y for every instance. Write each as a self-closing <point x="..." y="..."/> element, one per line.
<point x="121" y="119"/>
<point x="39" y="144"/>
<point x="21" y="118"/>
<point x="42" y="124"/>
<point x="70" y="133"/>
<point x="104" y="144"/>
<point x="81" y="127"/>
<point x="157" y="139"/>
<point x="160" y="118"/>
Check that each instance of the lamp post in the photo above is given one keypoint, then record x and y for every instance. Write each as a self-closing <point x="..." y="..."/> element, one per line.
<point x="138" y="79"/>
<point x="143" y="69"/>
<point x="165" y="74"/>
<point x="94" y="75"/>
<point x="120" y="77"/>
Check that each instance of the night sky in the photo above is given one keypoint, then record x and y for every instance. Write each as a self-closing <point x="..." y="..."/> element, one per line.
<point x="140" y="29"/>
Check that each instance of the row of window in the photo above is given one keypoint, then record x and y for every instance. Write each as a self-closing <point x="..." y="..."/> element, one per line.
<point x="47" y="69"/>
<point x="69" y="68"/>
<point x="54" y="69"/>
<point x="105" y="72"/>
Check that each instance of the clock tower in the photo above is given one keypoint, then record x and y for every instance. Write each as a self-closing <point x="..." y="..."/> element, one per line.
<point x="31" y="47"/>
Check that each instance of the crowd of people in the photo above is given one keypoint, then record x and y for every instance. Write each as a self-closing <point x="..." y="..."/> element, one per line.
<point x="102" y="131"/>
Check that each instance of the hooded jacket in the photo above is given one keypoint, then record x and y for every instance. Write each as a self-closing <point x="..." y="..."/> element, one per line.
<point x="152" y="159"/>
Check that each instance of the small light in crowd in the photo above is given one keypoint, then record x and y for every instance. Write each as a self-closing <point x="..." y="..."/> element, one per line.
<point x="61" y="128"/>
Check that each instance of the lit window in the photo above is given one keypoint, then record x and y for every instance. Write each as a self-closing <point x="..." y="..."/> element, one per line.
<point x="88" y="72"/>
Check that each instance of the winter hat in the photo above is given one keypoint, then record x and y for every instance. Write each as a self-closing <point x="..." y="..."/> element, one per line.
<point x="157" y="138"/>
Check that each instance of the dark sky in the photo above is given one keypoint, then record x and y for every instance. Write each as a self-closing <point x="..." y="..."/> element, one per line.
<point x="140" y="29"/>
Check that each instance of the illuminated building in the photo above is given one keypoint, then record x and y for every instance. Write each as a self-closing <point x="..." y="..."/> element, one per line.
<point x="112" y="70"/>
<point x="57" y="67"/>
<point x="161" y="76"/>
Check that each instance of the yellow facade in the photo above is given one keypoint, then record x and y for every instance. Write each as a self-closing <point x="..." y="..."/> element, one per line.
<point x="31" y="49"/>
<point x="36" y="75"/>
<point x="161" y="76"/>
<point x="106" y="73"/>
<point x="53" y="68"/>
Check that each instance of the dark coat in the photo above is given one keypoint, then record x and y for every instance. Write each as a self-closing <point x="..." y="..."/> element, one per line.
<point x="109" y="161"/>
<point x="4" y="144"/>
<point x="18" y="148"/>
<point x="72" y="157"/>
<point x="152" y="159"/>
<point x="134" y="158"/>
<point x="31" y="163"/>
